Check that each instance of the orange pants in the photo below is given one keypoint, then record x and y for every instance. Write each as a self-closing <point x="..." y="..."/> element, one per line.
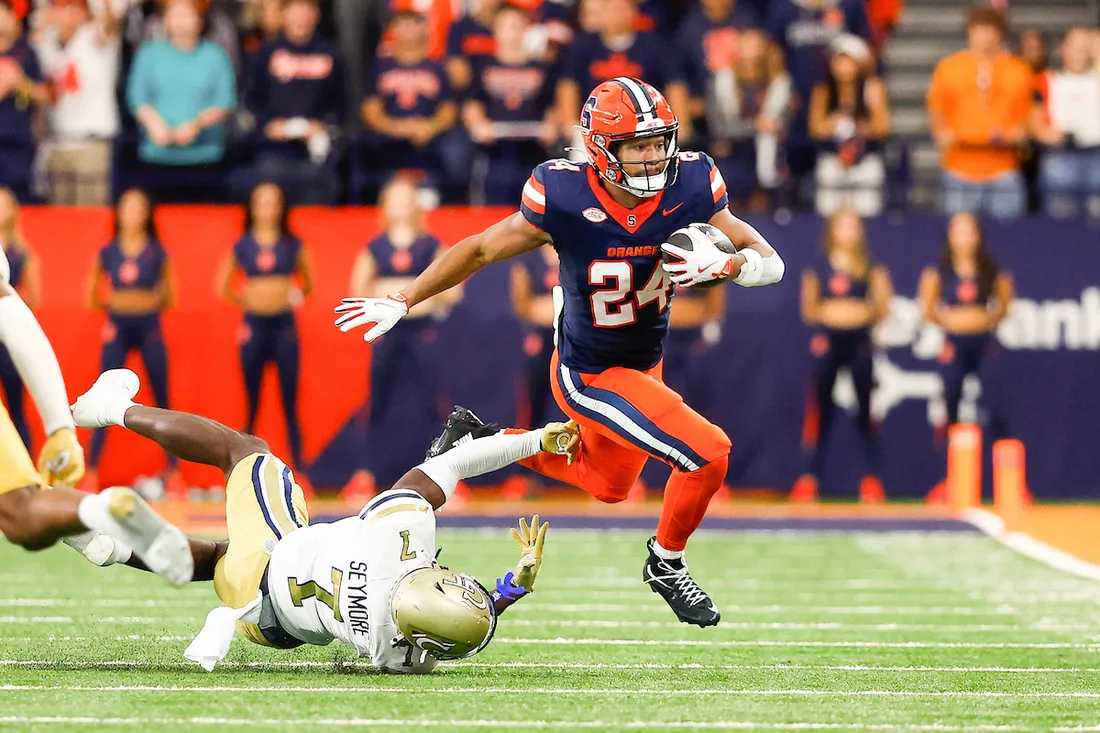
<point x="627" y="416"/>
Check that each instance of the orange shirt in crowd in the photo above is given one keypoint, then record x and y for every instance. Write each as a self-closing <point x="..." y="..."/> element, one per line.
<point x="976" y="110"/>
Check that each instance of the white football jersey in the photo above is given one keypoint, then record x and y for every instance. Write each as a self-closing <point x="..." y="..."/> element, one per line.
<point x="5" y="268"/>
<point x="334" y="581"/>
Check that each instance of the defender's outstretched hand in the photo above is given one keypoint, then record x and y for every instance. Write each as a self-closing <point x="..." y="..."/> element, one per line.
<point x="530" y="541"/>
<point x="381" y="313"/>
<point x="563" y="439"/>
<point x="62" y="459"/>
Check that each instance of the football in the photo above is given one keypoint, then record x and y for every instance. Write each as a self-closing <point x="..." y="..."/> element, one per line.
<point x="682" y="238"/>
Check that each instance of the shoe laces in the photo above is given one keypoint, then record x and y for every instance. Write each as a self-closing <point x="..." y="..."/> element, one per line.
<point x="684" y="583"/>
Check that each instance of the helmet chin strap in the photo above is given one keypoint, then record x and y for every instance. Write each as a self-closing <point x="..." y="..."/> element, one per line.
<point x="644" y="186"/>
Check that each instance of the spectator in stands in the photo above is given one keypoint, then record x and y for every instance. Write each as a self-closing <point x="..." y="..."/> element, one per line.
<point x="617" y="49"/>
<point x="217" y="27"/>
<point x="409" y="108"/>
<point x="295" y="90"/>
<point x="805" y="30"/>
<point x="844" y="294"/>
<point x="25" y="276"/>
<point x="437" y="16"/>
<point x="849" y="119"/>
<point x="747" y="104"/>
<point x="708" y="42"/>
<point x="978" y="106"/>
<point x="469" y="41"/>
<point x="181" y="91"/>
<point x="551" y="28"/>
<point x="509" y="112"/>
<point x="261" y="21"/>
<point x="22" y="93"/>
<point x="883" y="15"/>
<point x="1033" y="50"/>
<point x="1066" y="121"/>
<point x="81" y="55"/>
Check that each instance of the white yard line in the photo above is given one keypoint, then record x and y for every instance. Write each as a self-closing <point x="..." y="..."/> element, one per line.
<point x="559" y="641"/>
<point x="554" y="691"/>
<point x="597" y="666"/>
<point x="498" y="724"/>
<point x="1028" y="546"/>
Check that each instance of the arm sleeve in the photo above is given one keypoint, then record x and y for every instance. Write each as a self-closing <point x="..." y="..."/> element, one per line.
<point x="36" y="362"/>
<point x="139" y="87"/>
<point x="533" y="199"/>
<point x="718" y="192"/>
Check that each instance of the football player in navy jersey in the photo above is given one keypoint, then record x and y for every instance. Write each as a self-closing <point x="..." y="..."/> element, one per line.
<point x="967" y="295"/>
<point x="609" y="219"/>
<point x="387" y="264"/>
<point x="132" y="283"/>
<point x="843" y="296"/>
<point x="277" y="276"/>
<point x="25" y="278"/>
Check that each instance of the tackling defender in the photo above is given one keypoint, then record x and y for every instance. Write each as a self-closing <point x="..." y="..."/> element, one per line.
<point x="370" y="581"/>
<point x="609" y="220"/>
<point x="33" y="516"/>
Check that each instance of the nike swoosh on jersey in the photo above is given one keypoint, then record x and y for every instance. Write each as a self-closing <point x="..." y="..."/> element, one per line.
<point x="666" y="212"/>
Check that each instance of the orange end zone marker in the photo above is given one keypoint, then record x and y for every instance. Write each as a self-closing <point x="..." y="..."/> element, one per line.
<point x="964" y="466"/>
<point x="1009" y="482"/>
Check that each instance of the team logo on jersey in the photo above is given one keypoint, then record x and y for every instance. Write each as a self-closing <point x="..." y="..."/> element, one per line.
<point x="128" y="272"/>
<point x="967" y="291"/>
<point x="401" y="260"/>
<point x="839" y="286"/>
<point x="594" y="215"/>
<point x="265" y="260"/>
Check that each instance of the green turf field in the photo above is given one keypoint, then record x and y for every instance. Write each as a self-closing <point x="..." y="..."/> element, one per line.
<point x="937" y="632"/>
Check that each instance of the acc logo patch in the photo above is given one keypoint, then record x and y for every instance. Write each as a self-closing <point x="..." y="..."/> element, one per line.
<point x="594" y="215"/>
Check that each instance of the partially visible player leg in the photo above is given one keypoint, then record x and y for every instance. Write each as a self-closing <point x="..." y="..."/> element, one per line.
<point x="636" y="408"/>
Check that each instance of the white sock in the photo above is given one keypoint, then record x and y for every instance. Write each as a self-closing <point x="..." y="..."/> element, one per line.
<point x="100" y="549"/>
<point x="667" y="554"/>
<point x="480" y="456"/>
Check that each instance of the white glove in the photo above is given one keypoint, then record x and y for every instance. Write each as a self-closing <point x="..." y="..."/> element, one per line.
<point x="701" y="264"/>
<point x="383" y="313"/>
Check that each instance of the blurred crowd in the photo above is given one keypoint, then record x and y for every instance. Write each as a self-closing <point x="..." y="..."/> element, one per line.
<point x="200" y="100"/>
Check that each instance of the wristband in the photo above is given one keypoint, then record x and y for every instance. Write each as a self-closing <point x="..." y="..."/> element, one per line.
<point x="507" y="590"/>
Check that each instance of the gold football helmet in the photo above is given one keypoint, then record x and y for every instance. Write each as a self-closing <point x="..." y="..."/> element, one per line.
<point x="446" y="614"/>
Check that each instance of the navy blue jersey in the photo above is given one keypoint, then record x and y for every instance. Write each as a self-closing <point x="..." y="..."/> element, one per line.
<point x="616" y="292"/>
<point x="409" y="91"/>
<point x="16" y="112"/>
<point x="17" y="265"/>
<point x="512" y="92"/>
<point x="259" y="261"/>
<point x="707" y="46"/>
<point x="143" y="272"/>
<point x="557" y="19"/>
<point x="839" y="285"/>
<point x="391" y="261"/>
<point x="468" y="38"/>
<point x="955" y="290"/>
<point x="285" y="81"/>
<point x="542" y="274"/>
<point x="589" y="62"/>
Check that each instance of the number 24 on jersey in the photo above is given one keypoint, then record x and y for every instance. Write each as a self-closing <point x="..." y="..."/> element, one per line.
<point x="617" y="306"/>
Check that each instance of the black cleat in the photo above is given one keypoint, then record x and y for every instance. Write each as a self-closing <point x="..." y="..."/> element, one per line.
<point x="670" y="579"/>
<point x="461" y="425"/>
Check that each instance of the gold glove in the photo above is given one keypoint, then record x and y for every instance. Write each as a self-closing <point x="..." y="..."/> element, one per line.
<point x="530" y="541"/>
<point x="564" y="439"/>
<point x="62" y="459"/>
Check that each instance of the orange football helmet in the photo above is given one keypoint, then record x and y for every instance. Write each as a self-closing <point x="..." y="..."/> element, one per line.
<point x="625" y="109"/>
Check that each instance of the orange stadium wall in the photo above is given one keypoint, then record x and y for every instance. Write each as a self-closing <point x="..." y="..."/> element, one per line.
<point x="201" y="331"/>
